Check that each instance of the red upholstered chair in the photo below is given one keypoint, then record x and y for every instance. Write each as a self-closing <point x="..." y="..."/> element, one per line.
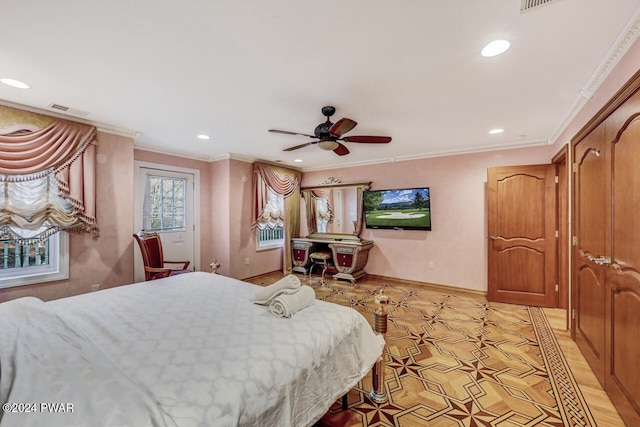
<point x="153" y="259"/>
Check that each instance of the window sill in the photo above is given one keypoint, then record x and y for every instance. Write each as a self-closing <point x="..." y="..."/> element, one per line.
<point x="58" y="270"/>
<point x="33" y="279"/>
<point x="269" y="247"/>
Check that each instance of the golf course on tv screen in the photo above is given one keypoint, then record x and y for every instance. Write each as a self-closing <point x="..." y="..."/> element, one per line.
<point x="401" y="209"/>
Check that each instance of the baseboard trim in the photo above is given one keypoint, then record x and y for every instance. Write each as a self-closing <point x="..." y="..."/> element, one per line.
<point x="445" y="289"/>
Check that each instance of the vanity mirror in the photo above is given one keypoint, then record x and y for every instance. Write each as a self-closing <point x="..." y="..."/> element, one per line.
<point x="334" y="208"/>
<point x="334" y="213"/>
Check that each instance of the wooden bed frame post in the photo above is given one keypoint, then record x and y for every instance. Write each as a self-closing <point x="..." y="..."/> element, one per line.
<point x="379" y="393"/>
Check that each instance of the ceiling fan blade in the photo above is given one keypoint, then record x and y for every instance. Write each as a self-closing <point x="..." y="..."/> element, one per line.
<point x="341" y="150"/>
<point x="286" y="132"/>
<point x="295" y="147"/>
<point x="368" y="139"/>
<point x="342" y="126"/>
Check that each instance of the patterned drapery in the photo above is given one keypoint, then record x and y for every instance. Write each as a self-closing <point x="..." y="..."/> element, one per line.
<point x="272" y="215"/>
<point x="47" y="176"/>
<point x="285" y="182"/>
<point x="318" y="207"/>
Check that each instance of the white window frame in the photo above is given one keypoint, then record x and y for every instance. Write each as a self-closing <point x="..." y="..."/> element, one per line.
<point x="147" y="220"/>
<point x="57" y="269"/>
<point x="263" y="245"/>
<point x="141" y="170"/>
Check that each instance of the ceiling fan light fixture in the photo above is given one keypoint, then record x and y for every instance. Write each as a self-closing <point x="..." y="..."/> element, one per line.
<point x="328" y="145"/>
<point x="327" y="135"/>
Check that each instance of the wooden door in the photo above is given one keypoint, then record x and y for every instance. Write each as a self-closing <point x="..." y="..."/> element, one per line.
<point x="590" y="202"/>
<point x="622" y="338"/>
<point x="522" y="235"/>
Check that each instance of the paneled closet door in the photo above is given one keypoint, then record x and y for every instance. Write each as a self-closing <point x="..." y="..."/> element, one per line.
<point x="623" y="273"/>
<point x="590" y="224"/>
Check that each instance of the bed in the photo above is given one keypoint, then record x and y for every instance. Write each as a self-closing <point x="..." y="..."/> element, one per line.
<point x="188" y="350"/>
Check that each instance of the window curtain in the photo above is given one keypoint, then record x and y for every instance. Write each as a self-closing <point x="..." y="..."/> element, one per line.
<point x="312" y="211"/>
<point x="273" y="213"/>
<point x="360" y="202"/>
<point x="325" y="212"/>
<point x="47" y="177"/>
<point x="318" y="207"/>
<point x="285" y="182"/>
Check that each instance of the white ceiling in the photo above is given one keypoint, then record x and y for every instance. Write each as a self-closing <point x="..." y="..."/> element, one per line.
<point x="411" y="69"/>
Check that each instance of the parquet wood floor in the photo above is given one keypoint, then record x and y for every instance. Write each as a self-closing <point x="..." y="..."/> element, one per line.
<point x="453" y="359"/>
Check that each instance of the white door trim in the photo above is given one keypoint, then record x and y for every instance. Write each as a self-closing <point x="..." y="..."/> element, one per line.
<point x="140" y="168"/>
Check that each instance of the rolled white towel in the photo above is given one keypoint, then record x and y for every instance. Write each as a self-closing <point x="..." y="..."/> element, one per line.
<point x="287" y="305"/>
<point x="287" y="285"/>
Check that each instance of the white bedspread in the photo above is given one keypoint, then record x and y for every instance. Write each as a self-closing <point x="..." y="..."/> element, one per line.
<point x="189" y="350"/>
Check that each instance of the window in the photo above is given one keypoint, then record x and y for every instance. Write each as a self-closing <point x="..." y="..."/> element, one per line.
<point x="165" y="205"/>
<point x="270" y="238"/>
<point x="270" y="231"/>
<point x="25" y="262"/>
<point x="47" y="185"/>
<point x="324" y="214"/>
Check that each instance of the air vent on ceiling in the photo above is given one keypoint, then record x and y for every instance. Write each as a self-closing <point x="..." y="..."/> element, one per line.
<point x="68" y="110"/>
<point x="526" y="5"/>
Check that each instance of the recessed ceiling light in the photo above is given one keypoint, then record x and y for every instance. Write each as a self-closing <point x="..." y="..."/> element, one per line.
<point x="15" y="83"/>
<point x="298" y="160"/>
<point x="496" y="131"/>
<point x="203" y="136"/>
<point x="494" y="48"/>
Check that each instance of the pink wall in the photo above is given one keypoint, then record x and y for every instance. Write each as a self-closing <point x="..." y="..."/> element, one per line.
<point x="242" y="238"/>
<point x="457" y="244"/>
<point x="107" y="260"/>
<point x="218" y="215"/>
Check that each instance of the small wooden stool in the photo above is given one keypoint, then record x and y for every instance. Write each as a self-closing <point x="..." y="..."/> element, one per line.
<point x="323" y="259"/>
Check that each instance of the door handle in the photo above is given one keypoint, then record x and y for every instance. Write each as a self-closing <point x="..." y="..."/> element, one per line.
<point x="494" y="237"/>
<point x="601" y="260"/>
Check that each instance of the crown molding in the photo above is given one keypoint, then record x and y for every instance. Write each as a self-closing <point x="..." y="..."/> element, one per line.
<point x="533" y="143"/>
<point x="625" y="40"/>
<point x="622" y="44"/>
<point x="241" y="158"/>
<point x="208" y="159"/>
<point x="100" y="127"/>
<point x="117" y="131"/>
<point x="219" y="157"/>
<point x="154" y="149"/>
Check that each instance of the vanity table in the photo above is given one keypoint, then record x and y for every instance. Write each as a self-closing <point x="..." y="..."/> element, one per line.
<point x="334" y="220"/>
<point x="350" y="253"/>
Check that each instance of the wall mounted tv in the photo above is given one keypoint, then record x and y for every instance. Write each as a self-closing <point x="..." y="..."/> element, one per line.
<point x="398" y="209"/>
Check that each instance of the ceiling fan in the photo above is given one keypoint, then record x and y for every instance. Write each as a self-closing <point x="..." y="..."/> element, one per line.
<point x="328" y="134"/>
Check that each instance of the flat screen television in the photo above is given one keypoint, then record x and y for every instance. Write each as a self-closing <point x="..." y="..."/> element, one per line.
<point x="398" y="209"/>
